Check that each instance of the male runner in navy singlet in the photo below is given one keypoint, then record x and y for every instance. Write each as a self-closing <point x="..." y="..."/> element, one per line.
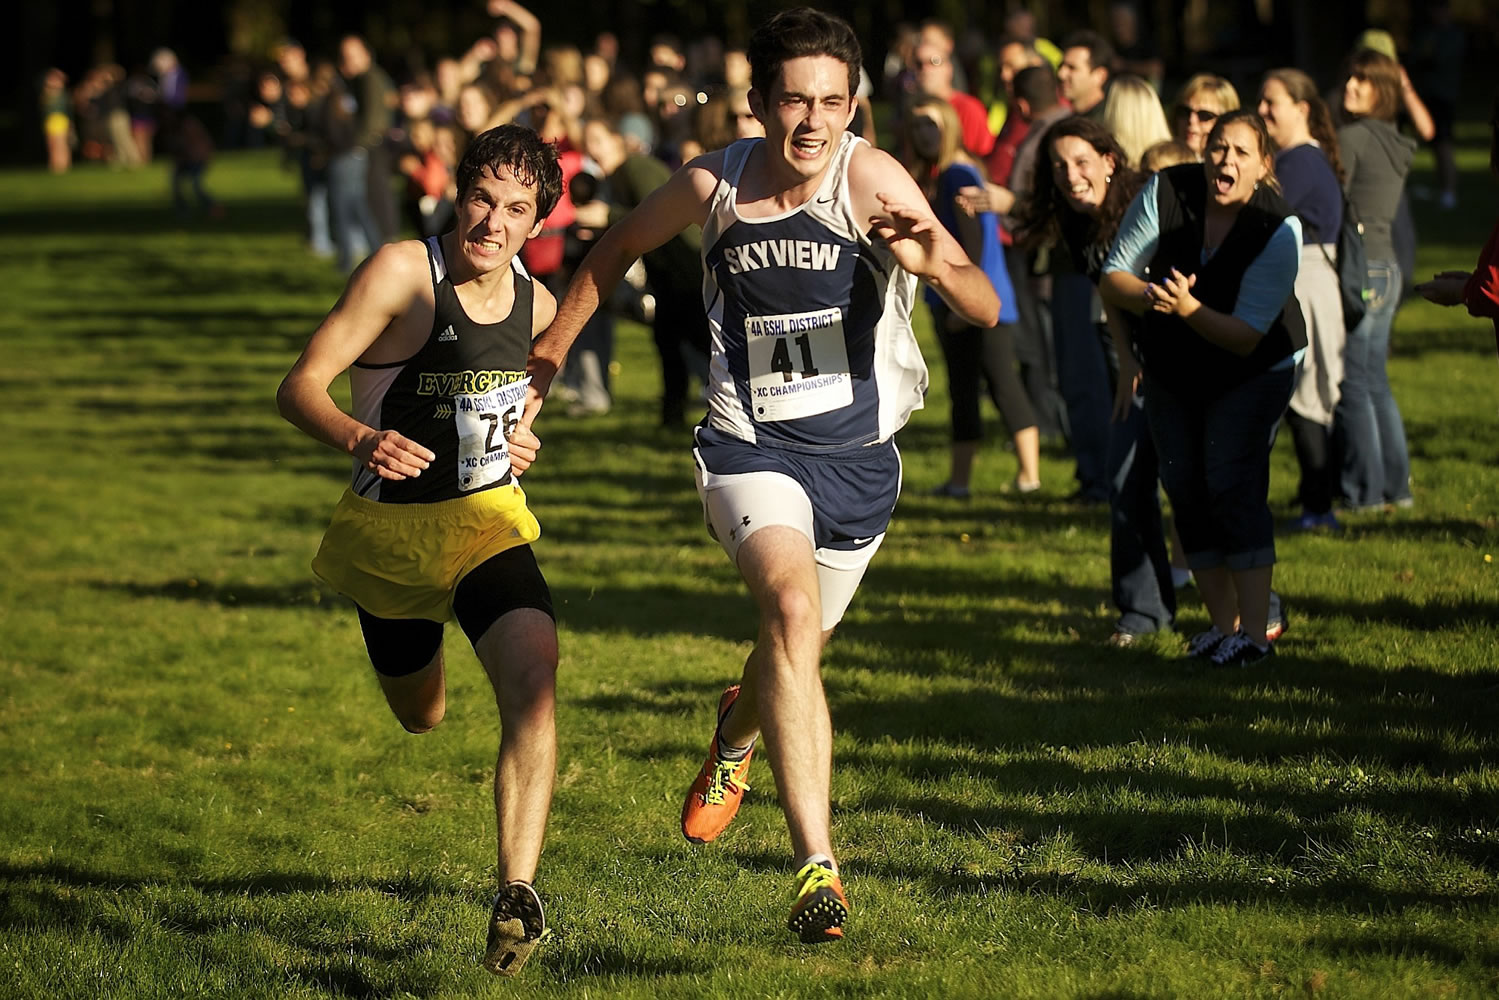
<point x="435" y="335"/>
<point x="813" y="242"/>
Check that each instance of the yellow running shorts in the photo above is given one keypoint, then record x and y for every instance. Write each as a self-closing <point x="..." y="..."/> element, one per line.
<point x="404" y="560"/>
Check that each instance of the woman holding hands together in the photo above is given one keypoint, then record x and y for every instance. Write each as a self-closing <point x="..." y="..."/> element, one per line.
<point x="1207" y="256"/>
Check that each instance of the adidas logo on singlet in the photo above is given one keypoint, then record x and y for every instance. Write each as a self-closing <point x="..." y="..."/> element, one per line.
<point x="447" y="335"/>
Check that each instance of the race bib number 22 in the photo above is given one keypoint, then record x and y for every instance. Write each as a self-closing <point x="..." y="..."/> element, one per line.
<point x="485" y="422"/>
<point x="798" y="365"/>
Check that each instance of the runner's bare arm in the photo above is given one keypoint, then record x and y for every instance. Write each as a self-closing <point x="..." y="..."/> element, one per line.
<point x="524" y="444"/>
<point x="884" y="194"/>
<point x="680" y="202"/>
<point x="382" y="290"/>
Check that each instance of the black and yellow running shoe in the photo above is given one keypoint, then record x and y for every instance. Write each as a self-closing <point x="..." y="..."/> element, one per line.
<point x="820" y="908"/>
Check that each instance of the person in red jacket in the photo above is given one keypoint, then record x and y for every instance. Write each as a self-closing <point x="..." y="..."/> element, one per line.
<point x="1478" y="289"/>
<point x="934" y="75"/>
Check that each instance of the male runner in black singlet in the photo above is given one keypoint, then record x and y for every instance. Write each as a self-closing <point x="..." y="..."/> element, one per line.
<point x="434" y="335"/>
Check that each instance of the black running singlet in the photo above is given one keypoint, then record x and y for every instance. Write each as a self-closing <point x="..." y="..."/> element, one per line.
<point x="460" y="395"/>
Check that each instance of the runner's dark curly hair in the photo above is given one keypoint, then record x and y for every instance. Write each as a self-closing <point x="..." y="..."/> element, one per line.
<point x="530" y="159"/>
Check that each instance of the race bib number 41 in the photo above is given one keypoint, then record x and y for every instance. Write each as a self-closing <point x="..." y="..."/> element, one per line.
<point x="798" y="365"/>
<point x="485" y="421"/>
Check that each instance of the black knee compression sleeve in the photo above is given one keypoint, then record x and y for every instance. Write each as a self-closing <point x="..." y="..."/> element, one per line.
<point x="400" y="646"/>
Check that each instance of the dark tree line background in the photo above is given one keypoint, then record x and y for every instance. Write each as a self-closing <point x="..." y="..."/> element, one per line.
<point x="1238" y="38"/>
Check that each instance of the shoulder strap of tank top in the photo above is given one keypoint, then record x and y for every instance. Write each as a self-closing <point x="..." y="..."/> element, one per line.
<point x="734" y="159"/>
<point x="835" y="185"/>
<point x="435" y="261"/>
<point x="838" y="169"/>
<point x="525" y="293"/>
<point x="848" y="142"/>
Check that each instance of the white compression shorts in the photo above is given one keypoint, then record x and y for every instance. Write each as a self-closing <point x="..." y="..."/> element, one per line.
<point x="736" y="506"/>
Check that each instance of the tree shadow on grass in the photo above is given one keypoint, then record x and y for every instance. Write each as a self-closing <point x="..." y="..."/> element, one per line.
<point x="666" y="609"/>
<point x="679" y="700"/>
<point x="1464" y="436"/>
<point x="592" y="960"/>
<point x="1414" y="342"/>
<point x="1407" y="944"/>
<point x="1302" y="708"/>
<point x="237" y="437"/>
<point x="54" y="878"/>
<point x="298" y="516"/>
<point x="956" y="577"/>
<point x="1101" y="898"/>
<point x="637" y="518"/>
<point x="346" y="980"/>
<point x="1439" y="614"/>
<point x="251" y="323"/>
<point x="1261" y="827"/>
<point x="1151" y="719"/>
<point x="302" y="596"/>
<point x="249" y="216"/>
<point x="72" y="900"/>
<point x="1155" y="773"/>
<point x="1023" y="517"/>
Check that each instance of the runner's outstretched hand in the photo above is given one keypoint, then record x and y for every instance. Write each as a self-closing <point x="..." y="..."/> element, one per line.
<point x="912" y="235"/>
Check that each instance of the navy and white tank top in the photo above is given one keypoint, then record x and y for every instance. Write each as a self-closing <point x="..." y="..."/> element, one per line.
<point x="809" y="320"/>
<point x="459" y="395"/>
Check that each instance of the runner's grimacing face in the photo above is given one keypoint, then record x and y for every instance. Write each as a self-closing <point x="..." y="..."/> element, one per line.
<point x="495" y="216"/>
<point x="807" y="110"/>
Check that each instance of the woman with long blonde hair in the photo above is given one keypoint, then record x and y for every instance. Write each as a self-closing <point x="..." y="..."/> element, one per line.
<point x="1133" y="112"/>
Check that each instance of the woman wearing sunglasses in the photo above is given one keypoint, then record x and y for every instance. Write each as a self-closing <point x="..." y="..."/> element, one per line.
<point x="1199" y="103"/>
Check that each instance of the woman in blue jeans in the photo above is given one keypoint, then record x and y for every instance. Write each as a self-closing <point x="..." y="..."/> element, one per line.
<point x="1207" y="256"/>
<point x="1368" y="430"/>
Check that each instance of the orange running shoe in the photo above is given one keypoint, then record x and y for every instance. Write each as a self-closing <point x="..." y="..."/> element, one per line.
<point x="820" y="908"/>
<point x="713" y="800"/>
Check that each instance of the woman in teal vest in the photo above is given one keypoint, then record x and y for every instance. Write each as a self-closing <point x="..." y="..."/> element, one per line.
<point x="1207" y="256"/>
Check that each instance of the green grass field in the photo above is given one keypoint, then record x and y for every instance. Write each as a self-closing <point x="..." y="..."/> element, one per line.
<point x="202" y="793"/>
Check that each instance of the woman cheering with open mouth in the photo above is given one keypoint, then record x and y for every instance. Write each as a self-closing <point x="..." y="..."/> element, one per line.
<point x="1207" y="256"/>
